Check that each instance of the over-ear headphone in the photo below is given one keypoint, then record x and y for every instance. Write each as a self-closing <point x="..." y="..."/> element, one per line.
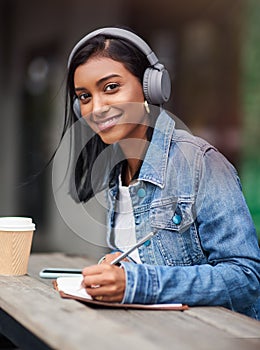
<point x="156" y="80"/>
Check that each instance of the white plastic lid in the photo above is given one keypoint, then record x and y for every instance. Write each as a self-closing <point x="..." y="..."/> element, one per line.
<point x="12" y="223"/>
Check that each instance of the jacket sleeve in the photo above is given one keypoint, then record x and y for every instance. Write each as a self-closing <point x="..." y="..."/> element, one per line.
<point x="230" y="277"/>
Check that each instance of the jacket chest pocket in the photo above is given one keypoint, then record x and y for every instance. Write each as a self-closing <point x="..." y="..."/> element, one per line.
<point x="175" y="214"/>
<point x="177" y="241"/>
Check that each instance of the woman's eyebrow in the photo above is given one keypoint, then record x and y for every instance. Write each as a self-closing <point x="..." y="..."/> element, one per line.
<point x="100" y="81"/>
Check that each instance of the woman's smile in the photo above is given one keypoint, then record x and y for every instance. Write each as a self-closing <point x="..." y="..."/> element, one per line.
<point x="107" y="122"/>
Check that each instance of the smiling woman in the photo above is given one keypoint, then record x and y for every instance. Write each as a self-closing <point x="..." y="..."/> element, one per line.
<point x="157" y="178"/>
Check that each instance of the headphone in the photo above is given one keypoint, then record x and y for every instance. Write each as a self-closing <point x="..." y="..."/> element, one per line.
<point x="156" y="79"/>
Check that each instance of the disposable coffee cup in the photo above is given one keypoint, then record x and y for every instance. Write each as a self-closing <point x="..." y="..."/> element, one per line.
<point x="16" y="234"/>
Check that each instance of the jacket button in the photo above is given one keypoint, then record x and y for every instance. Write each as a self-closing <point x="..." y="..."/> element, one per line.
<point x="141" y="193"/>
<point x="176" y="219"/>
<point x="147" y="243"/>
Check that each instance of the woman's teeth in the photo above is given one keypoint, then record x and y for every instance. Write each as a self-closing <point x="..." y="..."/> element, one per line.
<point x="108" y="123"/>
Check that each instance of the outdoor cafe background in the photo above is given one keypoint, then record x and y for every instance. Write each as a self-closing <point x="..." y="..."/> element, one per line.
<point x="210" y="47"/>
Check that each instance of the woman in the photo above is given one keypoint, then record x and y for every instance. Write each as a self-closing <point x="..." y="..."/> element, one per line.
<point x="204" y="251"/>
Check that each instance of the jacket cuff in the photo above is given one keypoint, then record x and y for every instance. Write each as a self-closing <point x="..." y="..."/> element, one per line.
<point x="142" y="284"/>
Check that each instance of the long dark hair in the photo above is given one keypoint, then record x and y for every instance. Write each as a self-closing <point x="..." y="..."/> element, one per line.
<point x="121" y="50"/>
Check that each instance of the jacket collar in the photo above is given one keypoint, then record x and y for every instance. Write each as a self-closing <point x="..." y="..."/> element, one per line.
<point x="156" y="158"/>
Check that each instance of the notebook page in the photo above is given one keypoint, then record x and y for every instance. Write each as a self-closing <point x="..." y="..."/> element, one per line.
<point x="72" y="286"/>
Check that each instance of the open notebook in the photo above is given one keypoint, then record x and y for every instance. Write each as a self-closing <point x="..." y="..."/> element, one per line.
<point x="70" y="287"/>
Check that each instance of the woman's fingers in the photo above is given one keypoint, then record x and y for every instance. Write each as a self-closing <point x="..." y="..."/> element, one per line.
<point x="108" y="258"/>
<point x="107" y="281"/>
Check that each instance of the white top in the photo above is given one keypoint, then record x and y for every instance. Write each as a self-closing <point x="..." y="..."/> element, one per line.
<point x="124" y="222"/>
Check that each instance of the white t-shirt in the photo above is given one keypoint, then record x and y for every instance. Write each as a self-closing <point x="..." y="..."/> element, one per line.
<point x="124" y="222"/>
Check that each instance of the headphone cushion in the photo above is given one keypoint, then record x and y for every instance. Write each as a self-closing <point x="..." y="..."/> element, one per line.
<point x="156" y="86"/>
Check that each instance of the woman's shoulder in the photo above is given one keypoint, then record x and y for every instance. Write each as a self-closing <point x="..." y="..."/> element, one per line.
<point x="196" y="149"/>
<point x="181" y="134"/>
<point x="184" y="138"/>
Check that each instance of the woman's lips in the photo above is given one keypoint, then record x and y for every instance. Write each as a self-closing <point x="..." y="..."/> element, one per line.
<point x="107" y="123"/>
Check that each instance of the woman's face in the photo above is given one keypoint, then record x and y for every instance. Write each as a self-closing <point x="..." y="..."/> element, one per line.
<point x="106" y="91"/>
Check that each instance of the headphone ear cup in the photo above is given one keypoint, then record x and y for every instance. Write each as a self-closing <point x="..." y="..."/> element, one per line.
<point x="146" y="85"/>
<point x="156" y="86"/>
<point x="76" y="108"/>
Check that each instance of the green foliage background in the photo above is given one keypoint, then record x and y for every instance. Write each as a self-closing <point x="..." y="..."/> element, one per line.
<point x="250" y="170"/>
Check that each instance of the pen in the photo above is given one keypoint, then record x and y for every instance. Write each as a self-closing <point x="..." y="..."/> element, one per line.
<point x="130" y="250"/>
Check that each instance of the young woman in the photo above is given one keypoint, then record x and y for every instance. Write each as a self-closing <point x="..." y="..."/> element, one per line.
<point x="157" y="178"/>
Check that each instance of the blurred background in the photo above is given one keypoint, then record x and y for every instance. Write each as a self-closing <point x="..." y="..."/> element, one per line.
<point x="210" y="47"/>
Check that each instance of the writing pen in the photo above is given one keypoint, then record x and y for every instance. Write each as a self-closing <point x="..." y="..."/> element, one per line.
<point x="130" y="250"/>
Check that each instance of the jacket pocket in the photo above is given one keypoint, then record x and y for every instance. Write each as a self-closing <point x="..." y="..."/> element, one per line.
<point x="177" y="240"/>
<point x="172" y="214"/>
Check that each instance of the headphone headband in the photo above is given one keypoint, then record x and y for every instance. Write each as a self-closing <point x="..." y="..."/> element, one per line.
<point x="118" y="33"/>
<point x="156" y="79"/>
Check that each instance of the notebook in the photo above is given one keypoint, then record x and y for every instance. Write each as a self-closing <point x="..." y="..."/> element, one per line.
<point x="70" y="287"/>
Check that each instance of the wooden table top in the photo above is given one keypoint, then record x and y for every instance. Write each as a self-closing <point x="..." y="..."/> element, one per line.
<point x="70" y="325"/>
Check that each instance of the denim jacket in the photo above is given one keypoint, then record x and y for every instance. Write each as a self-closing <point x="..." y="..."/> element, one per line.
<point x="205" y="251"/>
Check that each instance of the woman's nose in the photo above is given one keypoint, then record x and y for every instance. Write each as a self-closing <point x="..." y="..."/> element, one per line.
<point x="101" y="112"/>
<point x="100" y="107"/>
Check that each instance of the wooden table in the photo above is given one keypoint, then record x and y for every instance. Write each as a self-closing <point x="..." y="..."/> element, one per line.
<point x="34" y="316"/>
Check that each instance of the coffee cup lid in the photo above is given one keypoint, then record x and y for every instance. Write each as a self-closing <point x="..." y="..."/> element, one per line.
<point x="12" y="223"/>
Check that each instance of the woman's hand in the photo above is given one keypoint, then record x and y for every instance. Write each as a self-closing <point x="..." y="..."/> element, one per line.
<point x="104" y="281"/>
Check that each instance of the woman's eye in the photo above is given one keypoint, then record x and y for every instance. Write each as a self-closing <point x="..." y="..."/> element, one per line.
<point x="84" y="96"/>
<point x="111" y="87"/>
